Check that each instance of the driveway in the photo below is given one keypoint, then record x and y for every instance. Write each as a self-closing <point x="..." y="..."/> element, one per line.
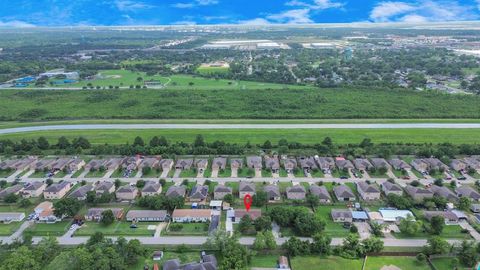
<point x="164" y="174"/>
<point x="363" y="229"/>
<point x="177" y="173"/>
<point x="470" y="229"/>
<point x="214" y="173"/>
<point x="214" y="224"/>
<point x="234" y="172"/>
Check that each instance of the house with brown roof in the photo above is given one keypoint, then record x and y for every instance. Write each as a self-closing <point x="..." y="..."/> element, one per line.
<point x="191" y="215"/>
<point x="362" y="164"/>
<point x="184" y="164"/>
<point x="343" y="193"/>
<point x="15" y="189"/>
<point x="151" y="189"/>
<point x="391" y="188"/>
<point x="176" y="191"/>
<point x="399" y="164"/>
<point x="105" y="186"/>
<point x="246" y="188"/>
<point x="273" y="192"/>
<point x="297" y="192"/>
<point x="272" y="164"/>
<point x="254" y="162"/>
<point x="468" y="192"/>
<point x="240" y="213"/>
<point x="81" y="192"/>
<point x="44" y="213"/>
<point x="326" y="164"/>
<point x="126" y="193"/>
<point x="321" y="192"/>
<point x="444" y="192"/>
<point x="220" y="191"/>
<point x="368" y="192"/>
<point x="95" y="214"/>
<point x="57" y="191"/>
<point x="34" y="189"/>
<point x="417" y="193"/>
<point x="219" y="163"/>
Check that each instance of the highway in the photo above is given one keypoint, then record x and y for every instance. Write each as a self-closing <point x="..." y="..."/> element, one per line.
<point x="241" y="126"/>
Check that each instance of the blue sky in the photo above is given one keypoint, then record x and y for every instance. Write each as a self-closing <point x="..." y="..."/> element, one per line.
<point x="24" y="13"/>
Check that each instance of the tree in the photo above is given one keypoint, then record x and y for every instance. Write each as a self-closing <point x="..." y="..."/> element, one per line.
<point x="24" y="203"/>
<point x="11" y="198"/>
<point x="245" y="226"/>
<point x="140" y="183"/>
<point x="295" y="246"/>
<point x="436" y="245"/>
<point x="259" y="243"/>
<point x="20" y="259"/>
<point x="118" y="183"/>
<point x="107" y="217"/>
<point x="321" y="244"/>
<point x="313" y="200"/>
<point x="409" y="226"/>
<point x="263" y="223"/>
<point x="307" y="224"/>
<point x="467" y="255"/>
<point x="421" y="258"/>
<point x="49" y="182"/>
<point x="436" y="225"/>
<point x="229" y="198"/>
<point x="260" y="198"/>
<point x="399" y="202"/>
<point x="351" y="247"/>
<point x="43" y="143"/>
<point x="372" y="245"/>
<point x="63" y="143"/>
<point x="464" y="204"/>
<point x="199" y="141"/>
<point x="138" y="141"/>
<point x="267" y="145"/>
<point x="66" y="207"/>
<point x="270" y="241"/>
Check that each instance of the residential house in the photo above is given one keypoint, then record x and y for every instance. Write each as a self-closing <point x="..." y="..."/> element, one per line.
<point x="150" y="162"/>
<point x="184" y="164"/>
<point x="458" y="165"/>
<point x="368" y="192"/>
<point x="15" y="189"/>
<point x="17" y="164"/>
<point x="219" y="163"/>
<point x="475" y="207"/>
<point x="450" y="217"/>
<point x="362" y="164"/>
<point x="191" y="215"/>
<point x="472" y="162"/>
<point x="176" y="191"/>
<point x="380" y="163"/>
<point x="166" y="164"/>
<point x="42" y="165"/>
<point x="105" y="187"/>
<point x="113" y="164"/>
<point x="95" y="214"/>
<point x="207" y="262"/>
<point x="151" y="188"/>
<point x="321" y="192"/>
<point x="468" y="192"/>
<point x="201" y="164"/>
<point x="131" y="163"/>
<point x="343" y="193"/>
<point x="199" y="193"/>
<point x="418" y="193"/>
<point x="220" y="191"/>
<point x="75" y="165"/>
<point x="307" y="163"/>
<point x="59" y="164"/>
<point x="344" y="164"/>
<point x="81" y="192"/>
<point x="44" y="213"/>
<point x="9" y="217"/>
<point x="126" y="193"/>
<point x="359" y="216"/>
<point x="246" y="188"/>
<point x="436" y="164"/>
<point x="147" y="215"/>
<point x="254" y="162"/>
<point x="326" y="164"/>
<point x="420" y="165"/>
<point x="394" y="215"/>
<point x="272" y="164"/>
<point x="296" y="192"/>
<point x="273" y="192"/>
<point x="240" y="213"/>
<point x="341" y="215"/>
<point x="391" y="188"/>
<point x="96" y="164"/>
<point x="57" y="191"/>
<point x="34" y="189"/>
<point x="399" y="164"/>
<point x="290" y="164"/>
<point x="236" y="163"/>
<point x="444" y="192"/>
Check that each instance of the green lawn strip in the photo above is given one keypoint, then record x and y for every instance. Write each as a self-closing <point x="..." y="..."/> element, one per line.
<point x="39" y="174"/>
<point x="331" y="262"/>
<point x="9" y="229"/>
<point x="245" y="172"/>
<point x="446" y="264"/>
<point x="207" y="172"/>
<point x="449" y="232"/>
<point x="6" y="173"/>
<point x="264" y="261"/>
<point x="340" y="173"/>
<point x="298" y="173"/>
<point x="6" y="207"/>
<point x="78" y="173"/>
<point x="184" y="257"/>
<point x="153" y="173"/>
<point x="405" y="263"/>
<point x="225" y="173"/>
<point x="189" y="229"/>
<point x="60" y="174"/>
<point x="399" y="173"/>
<point x="266" y="173"/>
<point x="333" y="229"/>
<point x="283" y="172"/>
<point x="317" y="174"/>
<point x="44" y="229"/>
<point x="121" y="228"/>
<point x="188" y="173"/>
<point x="95" y="174"/>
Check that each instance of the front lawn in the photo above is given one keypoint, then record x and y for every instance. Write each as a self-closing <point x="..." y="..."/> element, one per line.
<point x="44" y="229"/>
<point x="6" y="173"/>
<point x="192" y="173"/>
<point x="184" y="257"/>
<point x="404" y="263"/>
<point x="333" y="229"/>
<point x="331" y="262"/>
<point x="189" y="229"/>
<point x="120" y="228"/>
<point x="449" y="232"/>
<point x="266" y="173"/>
<point x="9" y="229"/>
<point x="317" y="174"/>
<point x="78" y="173"/>
<point x="95" y="174"/>
<point x="264" y="261"/>
<point x="446" y="264"/>
<point x="225" y="173"/>
<point x="340" y="173"/>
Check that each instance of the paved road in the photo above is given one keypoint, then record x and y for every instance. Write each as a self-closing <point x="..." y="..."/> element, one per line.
<point x="243" y="126"/>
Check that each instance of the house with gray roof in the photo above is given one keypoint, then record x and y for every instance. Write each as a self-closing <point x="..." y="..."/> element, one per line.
<point x="207" y="262"/>
<point x="127" y="193"/>
<point x="151" y="188"/>
<point x="184" y="164"/>
<point x="368" y="192"/>
<point x="444" y="192"/>
<point x="418" y="193"/>
<point x="321" y="192"/>
<point x="272" y="164"/>
<point x="399" y="164"/>
<point x="236" y="163"/>
<point x="57" y="191"/>
<point x="95" y="164"/>
<point x="95" y="214"/>
<point x="472" y="162"/>
<point x="105" y="186"/>
<point x="219" y="163"/>
<point x="420" y="165"/>
<point x="16" y="189"/>
<point x="380" y="163"/>
<point x="113" y="163"/>
<point x="254" y="162"/>
<point x="60" y="163"/>
<point x="131" y="163"/>
<point x="468" y="192"/>
<point x="166" y="164"/>
<point x="391" y="188"/>
<point x="75" y="165"/>
<point x="42" y="165"/>
<point x="296" y="192"/>
<point x="307" y="163"/>
<point x="343" y="193"/>
<point x="273" y="192"/>
<point x="34" y="189"/>
<point x="147" y="215"/>
<point x="449" y="216"/>
<point x="199" y="193"/>
<point x="17" y="164"/>
<point x="436" y="164"/>
<point x="458" y="165"/>
<point x="341" y="215"/>
<point x="220" y="191"/>
<point x="326" y="163"/>
<point x="201" y="164"/>
<point x="289" y="164"/>
<point x="362" y="164"/>
<point x="344" y="164"/>
<point x="246" y="188"/>
<point x="81" y="192"/>
<point x="176" y="191"/>
<point x="149" y="162"/>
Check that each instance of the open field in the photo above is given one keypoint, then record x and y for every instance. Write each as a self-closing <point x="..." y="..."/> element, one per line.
<point x="307" y="136"/>
<point x="117" y="228"/>
<point x="224" y="103"/>
<point x="404" y="263"/>
<point x="313" y="262"/>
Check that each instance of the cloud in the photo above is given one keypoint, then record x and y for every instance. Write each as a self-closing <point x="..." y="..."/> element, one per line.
<point x="256" y="21"/>
<point x="195" y="3"/>
<point x="422" y="11"/>
<point x="128" y="5"/>
<point x="316" y="4"/>
<point x="293" y="16"/>
<point x="185" y="23"/>
<point x="16" y="24"/>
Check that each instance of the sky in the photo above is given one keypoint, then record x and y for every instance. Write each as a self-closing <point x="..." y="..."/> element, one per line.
<point x="29" y="13"/>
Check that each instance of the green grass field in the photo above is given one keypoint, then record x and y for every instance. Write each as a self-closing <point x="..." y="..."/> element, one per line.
<point x="189" y="229"/>
<point x="117" y="228"/>
<point x="449" y="232"/>
<point x="404" y="263"/>
<point x="42" y="229"/>
<point x="446" y="264"/>
<point x="255" y="136"/>
<point x="333" y="263"/>
<point x="333" y="229"/>
<point x="9" y="229"/>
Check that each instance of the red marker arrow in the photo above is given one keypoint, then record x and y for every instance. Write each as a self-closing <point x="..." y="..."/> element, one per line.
<point x="247" y="200"/>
